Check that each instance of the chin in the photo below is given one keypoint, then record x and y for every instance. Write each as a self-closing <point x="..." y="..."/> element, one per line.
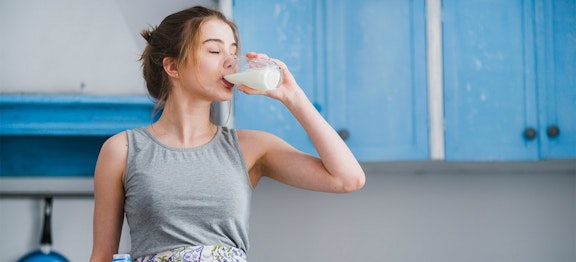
<point x="225" y="98"/>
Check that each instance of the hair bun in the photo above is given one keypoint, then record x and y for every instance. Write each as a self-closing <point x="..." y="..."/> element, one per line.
<point x="147" y="34"/>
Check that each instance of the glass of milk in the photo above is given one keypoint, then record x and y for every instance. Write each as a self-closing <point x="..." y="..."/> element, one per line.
<point x="256" y="73"/>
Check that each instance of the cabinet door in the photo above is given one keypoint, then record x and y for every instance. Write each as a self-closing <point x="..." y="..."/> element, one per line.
<point x="375" y="53"/>
<point x="557" y="77"/>
<point x="489" y="80"/>
<point x="285" y="30"/>
<point x="361" y="62"/>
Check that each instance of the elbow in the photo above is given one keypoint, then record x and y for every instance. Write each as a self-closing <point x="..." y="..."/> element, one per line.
<point x="354" y="184"/>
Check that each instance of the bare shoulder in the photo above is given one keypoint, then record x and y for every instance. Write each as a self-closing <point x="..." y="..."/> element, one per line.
<point x="113" y="155"/>
<point x="249" y="135"/>
<point x="251" y="143"/>
<point x="258" y="139"/>
<point x="258" y="144"/>
<point x="116" y="145"/>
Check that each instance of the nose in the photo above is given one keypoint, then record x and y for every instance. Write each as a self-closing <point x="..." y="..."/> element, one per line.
<point x="230" y="62"/>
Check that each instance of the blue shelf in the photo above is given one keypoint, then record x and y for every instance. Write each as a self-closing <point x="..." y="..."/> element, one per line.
<point x="61" y="135"/>
<point x="70" y="115"/>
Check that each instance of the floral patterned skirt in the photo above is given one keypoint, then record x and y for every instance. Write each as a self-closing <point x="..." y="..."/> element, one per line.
<point x="197" y="254"/>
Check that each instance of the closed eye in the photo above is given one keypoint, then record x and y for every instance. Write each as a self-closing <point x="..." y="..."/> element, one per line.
<point x="219" y="42"/>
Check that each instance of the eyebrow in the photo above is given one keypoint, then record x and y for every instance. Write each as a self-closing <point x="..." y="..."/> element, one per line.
<point x="217" y="40"/>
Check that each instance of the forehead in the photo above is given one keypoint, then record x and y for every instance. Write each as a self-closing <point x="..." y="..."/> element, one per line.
<point x="218" y="30"/>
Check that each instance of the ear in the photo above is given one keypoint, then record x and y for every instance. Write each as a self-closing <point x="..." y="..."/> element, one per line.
<point x="170" y="67"/>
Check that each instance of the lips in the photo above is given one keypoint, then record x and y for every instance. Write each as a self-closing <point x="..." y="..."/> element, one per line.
<point x="228" y="84"/>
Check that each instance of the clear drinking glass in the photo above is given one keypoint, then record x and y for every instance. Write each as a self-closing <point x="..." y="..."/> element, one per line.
<point x="256" y="73"/>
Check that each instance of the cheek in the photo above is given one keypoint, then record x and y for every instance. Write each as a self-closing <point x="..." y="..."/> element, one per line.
<point x="207" y="73"/>
<point x="208" y="68"/>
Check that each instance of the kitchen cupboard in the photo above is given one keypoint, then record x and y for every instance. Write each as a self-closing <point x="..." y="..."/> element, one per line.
<point x="61" y="135"/>
<point x="509" y="79"/>
<point x="509" y="75"/>
<point x="285" y="30"/>
<point x="362" y="63"/>
<point x="556" y="38"/>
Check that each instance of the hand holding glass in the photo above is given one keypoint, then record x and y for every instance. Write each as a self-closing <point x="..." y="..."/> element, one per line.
<point x="256" y="73"/>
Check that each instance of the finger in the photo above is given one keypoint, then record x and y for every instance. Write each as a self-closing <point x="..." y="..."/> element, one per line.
<point x="279" y="63"/>
<point x="249" y="91"/>
<point x="254" y="55"/>
<point x="283" y="68"/>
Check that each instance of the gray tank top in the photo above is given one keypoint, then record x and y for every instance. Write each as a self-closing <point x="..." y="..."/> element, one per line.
<point x="186" y="197"/>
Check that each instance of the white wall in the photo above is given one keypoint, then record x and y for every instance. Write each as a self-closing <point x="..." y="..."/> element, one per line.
<point x="437" y="216"/>
<point x="77" y="46"/>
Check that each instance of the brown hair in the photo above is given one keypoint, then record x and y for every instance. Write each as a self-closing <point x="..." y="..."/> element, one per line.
<point x="176" y="36"/>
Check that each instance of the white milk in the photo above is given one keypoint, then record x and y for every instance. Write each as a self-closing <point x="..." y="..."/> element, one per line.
<point x="257" y="78"/>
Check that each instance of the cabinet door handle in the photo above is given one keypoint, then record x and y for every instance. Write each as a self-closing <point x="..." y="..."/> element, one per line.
<point x="344" y="133"/>
<point x="530" y="133"/>
<point x="553" y="131"/>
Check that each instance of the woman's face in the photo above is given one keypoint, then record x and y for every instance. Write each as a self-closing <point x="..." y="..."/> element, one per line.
<point x="215" y="59"/>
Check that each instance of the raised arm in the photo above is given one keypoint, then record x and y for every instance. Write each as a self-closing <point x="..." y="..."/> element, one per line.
<point x="336" y="169"/>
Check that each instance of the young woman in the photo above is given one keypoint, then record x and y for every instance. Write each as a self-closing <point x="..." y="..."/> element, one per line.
<point x="183" y="182"/>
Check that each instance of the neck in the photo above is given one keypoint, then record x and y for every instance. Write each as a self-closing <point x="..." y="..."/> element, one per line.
<point x="184" y="124"/>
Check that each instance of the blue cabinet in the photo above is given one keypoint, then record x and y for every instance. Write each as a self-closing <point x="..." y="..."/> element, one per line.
<point x="509" y="77"/>
<point x="361" y="62"/>
<point x="285" y="30"/>
<point x="61" y="135"/>
<point x="556" y="74"/>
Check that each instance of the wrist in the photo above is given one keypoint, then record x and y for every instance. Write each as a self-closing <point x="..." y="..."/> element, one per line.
<point x="296" y="101"/>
